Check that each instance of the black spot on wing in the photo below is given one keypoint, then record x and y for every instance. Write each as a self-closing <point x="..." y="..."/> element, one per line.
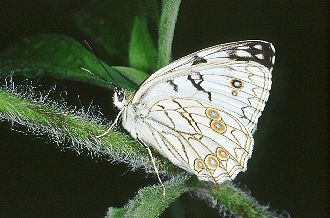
<point x="198" y="60"/>
<point x="196" y="80"/>
<point x="257" y="51"/>
<point x="171" y="82"/>
<point x="161" y="106"/>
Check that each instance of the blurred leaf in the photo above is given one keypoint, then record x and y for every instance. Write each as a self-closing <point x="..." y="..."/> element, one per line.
<point x="142" y="53"/>
<point x="61" y="57"/>
<point x="109" y="23"/>
<point x="133" y="75"/>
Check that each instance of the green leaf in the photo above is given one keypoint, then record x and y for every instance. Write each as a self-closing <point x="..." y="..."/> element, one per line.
<point x="134" y="75"/>
<point x="61" y="57"/>
<point x="142" y="53"/>
<point x="109" y="23"/>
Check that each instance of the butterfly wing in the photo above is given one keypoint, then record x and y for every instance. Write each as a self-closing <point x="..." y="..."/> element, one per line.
<point x="201" y="111"/>
<point x="234" y="76"/>
<point x="199" y="137"/>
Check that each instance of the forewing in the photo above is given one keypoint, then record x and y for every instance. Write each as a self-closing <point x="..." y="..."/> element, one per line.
<point x="234" y="76"/>
<point x="258" y="51"/>
<point x="199" y="137"/>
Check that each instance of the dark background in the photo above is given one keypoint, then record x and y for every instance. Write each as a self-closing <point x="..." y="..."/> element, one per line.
<point x="289" y="166"/>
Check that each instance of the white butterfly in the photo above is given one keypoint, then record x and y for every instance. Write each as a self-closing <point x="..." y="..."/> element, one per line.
<point x="200" y="111"/>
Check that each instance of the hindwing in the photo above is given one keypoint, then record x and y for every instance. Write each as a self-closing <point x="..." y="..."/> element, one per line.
<point x="199" y="137"/>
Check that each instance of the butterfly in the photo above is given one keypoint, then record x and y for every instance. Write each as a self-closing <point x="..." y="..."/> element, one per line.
<point x="201" y="111"/>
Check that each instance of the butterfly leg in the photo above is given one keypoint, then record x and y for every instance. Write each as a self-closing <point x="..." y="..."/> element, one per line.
<point x="112" y="125"/>
<point x="154" y="164"/>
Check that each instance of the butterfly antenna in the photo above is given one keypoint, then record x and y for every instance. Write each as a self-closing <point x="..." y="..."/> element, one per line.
<point x="109" y="74"/>
<point x="101" y="63"/>
<point x="97" y="76"/>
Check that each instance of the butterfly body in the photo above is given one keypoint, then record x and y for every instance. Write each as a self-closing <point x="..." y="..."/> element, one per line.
<point x="200" y="112"/>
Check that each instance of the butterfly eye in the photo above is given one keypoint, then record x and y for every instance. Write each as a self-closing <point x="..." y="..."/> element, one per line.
<point x="120" y="95"/>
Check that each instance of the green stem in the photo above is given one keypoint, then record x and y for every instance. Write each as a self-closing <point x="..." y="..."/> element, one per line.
<point x="170" y="9"/>
<point x="238" y="202"/>
<point x="150" y="201"/>
<point x="61" y="123"/>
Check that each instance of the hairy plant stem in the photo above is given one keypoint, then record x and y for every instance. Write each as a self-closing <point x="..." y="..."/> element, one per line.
<point x="62" y="123"/>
